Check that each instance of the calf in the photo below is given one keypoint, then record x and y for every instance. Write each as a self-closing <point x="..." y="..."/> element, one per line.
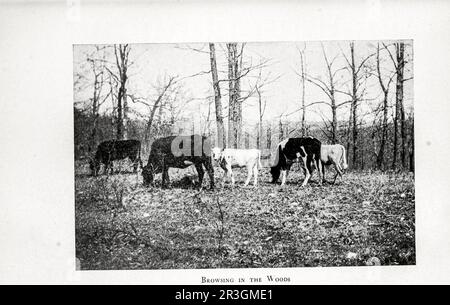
<point x="179" y="152"/>
<point x="293" y="150"/>
<point x="334" y="155"/>
<point x="231" y="158"/>
<point x="109" y="151"/>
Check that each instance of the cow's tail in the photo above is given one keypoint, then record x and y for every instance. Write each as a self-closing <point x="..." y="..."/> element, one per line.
<point x="344" y="158"/>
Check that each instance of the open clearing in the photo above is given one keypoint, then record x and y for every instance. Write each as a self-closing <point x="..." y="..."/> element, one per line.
<point x="365" y="218"/>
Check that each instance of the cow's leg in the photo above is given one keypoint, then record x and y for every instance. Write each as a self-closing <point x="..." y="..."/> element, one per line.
<point x="230" y="173"/>
<point x="307" y="168"/>
<point x="308" y="171"/>
<point x="307" y="176"/>
<point x="201" y="173"/>
<point x="225" y="175"/>
<point x="284" y="174"/>
<point x="255" y="175"/>
<point x="165" y="174"/>
<point x="319" y="170"/>
<point x="249" y="175"/>
<point x="135" y="164"/>
<point x="338" y="171"/>
<point x="106" y="165"/>
<point x="323" y="172"/>
<point x="210" y="169"/>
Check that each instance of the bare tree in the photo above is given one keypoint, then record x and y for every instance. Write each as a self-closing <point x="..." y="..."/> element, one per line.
<point x="399" y="119"/>
<point x="221" y="135"/>
<point x="303" y="79"/>
<point x="160" y="101"/>
<point x="384" y="107"/>
<point x="121" y="53"/>
<point x="356" y="94"/>
<point x="234" y="87"/>
<point x="260" y="83"/>
<point x="261" y="110"/>
<point x="269" y="136"/>
<point x="281" y="132"/>
<point x="92" y="77"/>
<point x="98" y="70"/>
<point x="330" y="91"/>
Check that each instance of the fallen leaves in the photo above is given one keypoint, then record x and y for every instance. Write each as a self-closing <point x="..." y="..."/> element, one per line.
<point x="364" y="219"/>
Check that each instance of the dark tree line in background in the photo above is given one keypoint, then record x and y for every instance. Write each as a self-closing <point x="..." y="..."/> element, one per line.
<point x="382" y="138"/>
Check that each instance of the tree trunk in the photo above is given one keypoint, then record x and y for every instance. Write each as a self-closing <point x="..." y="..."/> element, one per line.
<point x="121" y="52"/>
<point x="354" y="106"/>
<point x="334" y="121"/>
<point x="221" y="136"/>
<point x="237" y="89"/>
<point x="349" y="130"/>
<point x="303" y="94"/>
<point x="235" y="106"/>
<point x="385" y="90"/>
<point x="281" y="133"/>
<point x="400" y="47"/>
<point x="269" y="136"/>
<point x="119" y="122"/>
<point x="380" y="159"/>
<point x="231" y="96"/>
<point x="395" y="144"/>
<point x="95" y="113"/>
<point x="260" y="119"/>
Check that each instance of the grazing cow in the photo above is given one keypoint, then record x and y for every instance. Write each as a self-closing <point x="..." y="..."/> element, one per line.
<point x="109" y="151"/>
<point x="179" y="152"/>
<point x="231" y="158"/>
<point x="293" y="150"/>
<point x="333" y="155"/>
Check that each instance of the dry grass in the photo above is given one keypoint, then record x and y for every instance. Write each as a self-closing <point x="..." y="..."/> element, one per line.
<point x="366" y="218"/>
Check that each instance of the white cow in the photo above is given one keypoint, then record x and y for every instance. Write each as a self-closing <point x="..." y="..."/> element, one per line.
<point x="231" y="158"/>
<point x="334" y="155"/>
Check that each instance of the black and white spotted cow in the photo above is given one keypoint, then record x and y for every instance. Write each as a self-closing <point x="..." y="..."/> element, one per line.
<point x="293" y="150"/>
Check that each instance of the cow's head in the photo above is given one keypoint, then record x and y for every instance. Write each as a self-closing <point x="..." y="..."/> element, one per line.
<point x="216" y="153"/>
<point x="275" y="172"/>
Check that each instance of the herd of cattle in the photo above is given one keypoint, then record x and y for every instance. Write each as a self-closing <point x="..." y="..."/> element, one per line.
<point x="184" y="151"/>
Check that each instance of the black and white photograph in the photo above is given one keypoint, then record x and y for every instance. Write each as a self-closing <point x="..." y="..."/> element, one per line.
<point x="244" y="155"/>
<point x="208" y="145"/>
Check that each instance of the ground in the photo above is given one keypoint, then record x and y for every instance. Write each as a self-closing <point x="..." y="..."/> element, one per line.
<point x="366" y="218"/>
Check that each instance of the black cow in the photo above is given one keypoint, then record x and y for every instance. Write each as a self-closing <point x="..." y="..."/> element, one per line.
<point x="179" y="152"/>
<point x="109" y="151"/>
<point x="295" y="149"/>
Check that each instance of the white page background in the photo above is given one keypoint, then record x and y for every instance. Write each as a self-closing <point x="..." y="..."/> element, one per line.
<point x="37" y="232"/>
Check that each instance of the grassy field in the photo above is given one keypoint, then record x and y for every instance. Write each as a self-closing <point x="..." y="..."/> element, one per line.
<point x="367" y="218"/>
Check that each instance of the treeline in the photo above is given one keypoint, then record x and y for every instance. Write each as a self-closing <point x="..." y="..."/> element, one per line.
<point x="379" y="138"/>
<point x="273" y="133"/>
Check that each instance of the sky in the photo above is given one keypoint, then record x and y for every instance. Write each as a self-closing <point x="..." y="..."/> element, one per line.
<point x="153" y="62"/>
